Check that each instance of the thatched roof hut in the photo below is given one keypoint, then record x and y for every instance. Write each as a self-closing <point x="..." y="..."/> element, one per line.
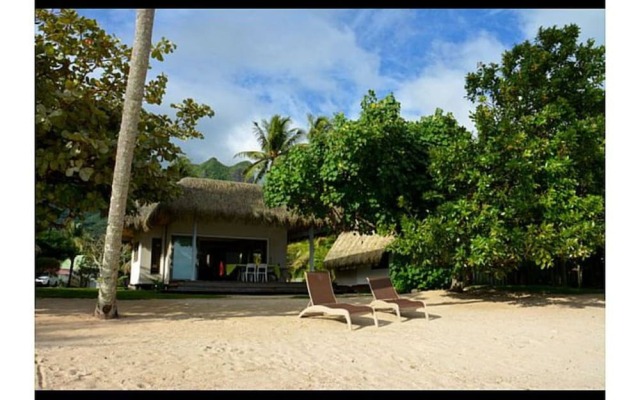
<point x="352" y="249"/>
<point x="211" y="199"/>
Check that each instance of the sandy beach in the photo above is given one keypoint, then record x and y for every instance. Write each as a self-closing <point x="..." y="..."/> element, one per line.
<point x="471" y="341"/>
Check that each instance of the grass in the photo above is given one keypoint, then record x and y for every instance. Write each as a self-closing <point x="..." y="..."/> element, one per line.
<point x="123" y="294"/>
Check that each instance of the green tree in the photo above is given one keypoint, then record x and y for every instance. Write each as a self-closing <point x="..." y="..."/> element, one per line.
<point x="534" y="191"/>
<point x="276" y="138"/>
<point x="541" y="129"/>
<point x="363" y="174"/>
<point x="298" y="254"/>
<point x="185" y="168"/>
<point x="81" y="75"/>
<point x="317" y="126"/>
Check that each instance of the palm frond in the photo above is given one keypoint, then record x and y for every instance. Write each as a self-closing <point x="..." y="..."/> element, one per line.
<point x="252" y="155"/>
<point x="255" y="171"/>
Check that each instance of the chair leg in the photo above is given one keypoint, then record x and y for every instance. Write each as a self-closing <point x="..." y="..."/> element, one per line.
<point x="375" y="318"/>
<point x="397" y="310"/>
<point x="348" y="317"/>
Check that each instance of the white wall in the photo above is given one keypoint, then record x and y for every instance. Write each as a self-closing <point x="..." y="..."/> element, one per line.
<point x="276" y="237"/>
<point x="353" y="276"/>
<point x="141" y="268"/>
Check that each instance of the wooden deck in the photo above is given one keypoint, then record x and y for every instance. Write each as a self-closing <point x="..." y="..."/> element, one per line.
<point x="249" y="288"/>
<point x="234" y="287"/>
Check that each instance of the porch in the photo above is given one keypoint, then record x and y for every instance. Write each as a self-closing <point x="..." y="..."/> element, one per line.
<point x="235" y="287"/>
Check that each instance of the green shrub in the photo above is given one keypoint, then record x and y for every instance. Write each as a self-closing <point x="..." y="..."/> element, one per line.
<point x="408" y="277"/>
<point x="47" y="264"/>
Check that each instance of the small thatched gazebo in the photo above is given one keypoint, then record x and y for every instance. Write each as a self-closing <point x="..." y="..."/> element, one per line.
<point x="212" y="226"/>
<point x="354" y="257"/>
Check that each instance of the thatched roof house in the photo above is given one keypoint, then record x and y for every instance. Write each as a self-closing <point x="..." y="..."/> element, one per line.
<point x="208" y="229"/>
<point x="352" y="250"/>
<point x="211" y="199"/>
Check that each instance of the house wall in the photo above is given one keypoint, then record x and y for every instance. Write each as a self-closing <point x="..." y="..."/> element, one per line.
<point x="141" y="265"/>
<point x="275" y="236"/>
<point x="358" y="276"/>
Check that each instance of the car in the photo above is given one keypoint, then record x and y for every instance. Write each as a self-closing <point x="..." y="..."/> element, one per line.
<point x="47" y="279"/>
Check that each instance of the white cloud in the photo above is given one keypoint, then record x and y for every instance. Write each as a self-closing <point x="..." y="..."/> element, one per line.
<point x="249" y="65"/>
<point x="441" y="83"/>
<point x="591" y="22"/>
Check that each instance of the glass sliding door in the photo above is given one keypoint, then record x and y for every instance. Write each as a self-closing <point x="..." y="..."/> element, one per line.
<point x="182" y="258"/>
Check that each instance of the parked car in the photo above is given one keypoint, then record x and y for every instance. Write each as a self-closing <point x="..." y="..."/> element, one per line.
<point x="47" y="279"/>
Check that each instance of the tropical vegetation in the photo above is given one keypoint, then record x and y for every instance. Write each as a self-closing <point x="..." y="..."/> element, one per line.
<point x="525" y="191"/>
<point x="80" y="79"/>
<point x="522" y="194"/>
<point x="276" y="138"/>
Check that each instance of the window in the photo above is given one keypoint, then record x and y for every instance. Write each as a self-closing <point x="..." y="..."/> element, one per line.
<point x="156" y="252"/>
<point x="182" y="258"/>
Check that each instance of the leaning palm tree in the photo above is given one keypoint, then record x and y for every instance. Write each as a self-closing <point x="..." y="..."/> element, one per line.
<point x="106" y="307"/>
<point x="276" y="138"/>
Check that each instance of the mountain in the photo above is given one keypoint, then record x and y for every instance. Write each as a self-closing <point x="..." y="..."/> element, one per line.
<point x="214" y="169"/>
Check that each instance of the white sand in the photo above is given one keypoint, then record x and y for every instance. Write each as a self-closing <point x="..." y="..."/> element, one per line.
<point x="258" y="342"/>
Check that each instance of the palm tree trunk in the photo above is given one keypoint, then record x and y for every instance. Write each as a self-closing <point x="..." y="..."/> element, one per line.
<point x="311" y="250"/>
<point x="73" y="258"/>
<point x="106" y="307"/>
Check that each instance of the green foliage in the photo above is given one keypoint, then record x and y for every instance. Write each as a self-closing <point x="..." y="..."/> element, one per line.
<point x="406" y="278"/>
<point x="50" y="264"/>
<point x="276" y="138"/>
<point x="298" y="255"/>
<point x="338" y="176"/>
<point x="540" y="120"/>
<point x="318" y="126"/>
<point x="79" y="90"/>
<point x="185" y="167"/>
<point x="87" y="267"/>
<point x="530" y="189"/>
<point x="58" y="244"/>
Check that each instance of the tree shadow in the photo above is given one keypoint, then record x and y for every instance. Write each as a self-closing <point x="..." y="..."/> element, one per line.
<point x="527" y="299"/>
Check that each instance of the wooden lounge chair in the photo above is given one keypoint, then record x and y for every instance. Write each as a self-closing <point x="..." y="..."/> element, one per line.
<point x="385" y="297"/>
<point x="322" y="300"/>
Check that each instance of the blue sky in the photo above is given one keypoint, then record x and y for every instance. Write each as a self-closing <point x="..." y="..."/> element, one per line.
<point x="421" y="58"/>
<point x="251" y="64"/>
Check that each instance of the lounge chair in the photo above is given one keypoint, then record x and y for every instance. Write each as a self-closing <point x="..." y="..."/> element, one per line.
<point x="385" y="297"/>
<point x="322" y="300"/>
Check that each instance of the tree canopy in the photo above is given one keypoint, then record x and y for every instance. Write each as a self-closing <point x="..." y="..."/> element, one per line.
<point x="535" y="192"/>
<point x="526" y="190"/>
<point x="81" y="74"/>
<point x="366" y="173"/>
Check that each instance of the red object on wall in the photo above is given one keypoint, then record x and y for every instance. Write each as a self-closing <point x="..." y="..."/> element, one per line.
<point x="221" y="269"/>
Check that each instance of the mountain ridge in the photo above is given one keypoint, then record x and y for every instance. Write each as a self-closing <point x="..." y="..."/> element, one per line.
<point x="214" y="169"/>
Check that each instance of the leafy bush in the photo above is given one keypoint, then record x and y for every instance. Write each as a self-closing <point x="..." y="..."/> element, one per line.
<point x="298" y="255"/>
<point x="408" y="277"/>
<point x="47" y="264"/>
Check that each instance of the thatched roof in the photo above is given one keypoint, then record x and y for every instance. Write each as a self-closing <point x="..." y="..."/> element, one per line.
<point x="352" y="249"/>
<point x="211" y="199"/>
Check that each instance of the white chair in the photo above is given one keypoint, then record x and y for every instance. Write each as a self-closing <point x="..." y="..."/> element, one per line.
<point x="249" y="273"/>
<point x="261" y="273"/>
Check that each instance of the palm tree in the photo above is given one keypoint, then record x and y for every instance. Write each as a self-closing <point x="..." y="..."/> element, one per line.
<point x="106" y="307"/>
<point x="318" y="126"/>
<point x="275" y="138"/>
